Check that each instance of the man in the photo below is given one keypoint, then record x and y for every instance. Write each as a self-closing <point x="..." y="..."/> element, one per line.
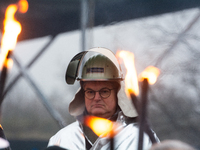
<point x="101" y="94"/>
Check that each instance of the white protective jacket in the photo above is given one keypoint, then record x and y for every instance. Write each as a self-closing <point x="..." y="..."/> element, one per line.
<point x="72" y="137"/>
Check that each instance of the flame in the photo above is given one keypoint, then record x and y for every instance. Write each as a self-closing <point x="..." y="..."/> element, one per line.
<point x="23" y="6"/>
<point x="12" y="29"/>
<point x="151" y="73"/>
<point x="131" y="82"/>
<point x="100" y="126"/>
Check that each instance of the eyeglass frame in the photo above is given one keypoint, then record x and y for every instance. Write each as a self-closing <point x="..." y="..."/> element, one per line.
<point x="99" y="93"/>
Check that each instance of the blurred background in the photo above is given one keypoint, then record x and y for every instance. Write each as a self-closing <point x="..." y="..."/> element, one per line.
<point x="164" y="34"/>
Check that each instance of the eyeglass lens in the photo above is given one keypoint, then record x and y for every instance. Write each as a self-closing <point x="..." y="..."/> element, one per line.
<point x="104" y="93"/>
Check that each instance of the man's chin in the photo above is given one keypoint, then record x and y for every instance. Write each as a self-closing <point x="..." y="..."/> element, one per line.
<point x="98" y="113"/>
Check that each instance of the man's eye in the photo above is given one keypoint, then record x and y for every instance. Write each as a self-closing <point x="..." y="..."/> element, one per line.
<point x="90" y="92"/>
<point x="105" y="91"/>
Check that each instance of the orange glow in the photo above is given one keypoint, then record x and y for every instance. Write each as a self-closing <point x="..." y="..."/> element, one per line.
<point x="9" y="63"/>
<point x="23" y="6"/>
<point x="151" y="73"/>
<point x="131" y="82"/>
<point x="12" y="29"/>
<point x="100" y="126"/>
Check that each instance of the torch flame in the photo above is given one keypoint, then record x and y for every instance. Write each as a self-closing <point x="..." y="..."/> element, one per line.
<point x="131" y="82"/>
<point x="100" y="126"/>
<point x="12" y="29"/>
<point x="23" y="6"/>
<point x="151" y="73"/>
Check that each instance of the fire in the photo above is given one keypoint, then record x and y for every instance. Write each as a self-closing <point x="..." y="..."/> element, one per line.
<point x="131" y="81"/>
<point x="23" y="6"/>
<point x="100" y="126"/>
<point x="151" y="73"/>
<point x="12" y="29"/>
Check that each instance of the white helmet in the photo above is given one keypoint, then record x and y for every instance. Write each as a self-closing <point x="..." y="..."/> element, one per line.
<point x="101" y="67"/>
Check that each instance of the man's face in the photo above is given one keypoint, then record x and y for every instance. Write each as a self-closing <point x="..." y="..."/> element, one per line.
<point x="99" y="106"/>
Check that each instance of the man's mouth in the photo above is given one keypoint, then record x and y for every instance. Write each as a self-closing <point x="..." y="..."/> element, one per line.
<point x="97" y="105"/>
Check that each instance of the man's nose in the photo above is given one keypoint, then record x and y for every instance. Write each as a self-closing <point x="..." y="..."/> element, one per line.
<point x="97" y="96"/>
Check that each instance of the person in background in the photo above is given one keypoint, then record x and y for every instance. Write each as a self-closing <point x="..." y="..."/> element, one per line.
<point x="4" y="144"/>
<point x="54" y="148"/>
<point x="171" y="145"/>
<point x="101" y="94"/>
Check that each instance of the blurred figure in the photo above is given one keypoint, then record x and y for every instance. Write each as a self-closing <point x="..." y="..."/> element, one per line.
<point x="171" y="145"/>
<point x="55" y="148"/>
<point x="4" y="144"/>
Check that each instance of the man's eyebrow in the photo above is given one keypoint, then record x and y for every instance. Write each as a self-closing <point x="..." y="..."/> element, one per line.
<point x="98" y="90"/>
<point x="89" y="89"/>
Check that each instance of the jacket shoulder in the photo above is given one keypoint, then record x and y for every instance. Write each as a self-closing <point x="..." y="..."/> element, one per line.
<point x="66" y="134"/>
